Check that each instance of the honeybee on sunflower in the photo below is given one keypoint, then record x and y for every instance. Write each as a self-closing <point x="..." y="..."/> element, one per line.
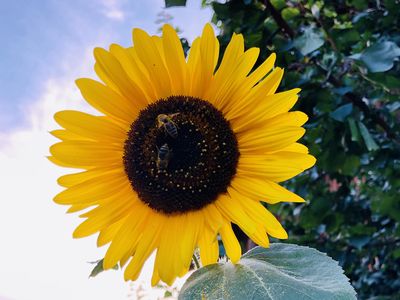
<point x="236" y="141"/>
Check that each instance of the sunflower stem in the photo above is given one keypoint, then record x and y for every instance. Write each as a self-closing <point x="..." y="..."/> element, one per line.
<point x="196" y="261"/>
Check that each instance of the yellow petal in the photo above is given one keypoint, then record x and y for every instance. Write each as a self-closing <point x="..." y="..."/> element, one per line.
<point x="293" y="118"/>
<point x="202" y="60"/>
<point x="265" y="108"/>
<point x="106" y="214"/>
<point x="233" y="211"/>
<point x="167" y="260"/>
<point x="227" y="88"/>
<point x="260" y="237"/>
<point x="240" y="98"/>
<point x="212" y="217"/>
<point x="159" y="45"/>
<point x="107" y="234"/>
<point x="64" y="164"/>
<point x="231" y="243"/>
<point x="175" y="60"/>
<point x="127" y="237"/>
<point x="191" y="225"/>
<point x="150" y="57"/>
<point x="209" y="49"/>
<point x="278" y="166"/>
<point x="129" y="62"/>
<point x="107" y="101"/>
<point x="79" y="207"/>
<point x="66" y="135"/>
<point x="296" y="147"/>
<point x="208" y="244"/>
<point x="260" y="214"/>
<point x="262" y="70"/>
<point x="76" y="178"/>
<point x="251" y="106"/>
<point x="113" y="69"/>
<point x="83" y="153"/>
<point x="193" y="64"/>
<point x="233" y="51"/>
<point x="94" y="189"/>
<point x="148" y="242"/>
<point x="263" y="189"/>
<point x="269" y="140"/>
<point x="92" y="127"/>
<point x="155" y="278"/>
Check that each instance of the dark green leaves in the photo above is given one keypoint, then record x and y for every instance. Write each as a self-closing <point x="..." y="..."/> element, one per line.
<point x="379" y="57"/>
<point x="309" y="41"/>
<point x="359" y="241"/>
<point x="170" y="3"/>
<point x="282" y="272"/>
<point x="358" y="129"/>
<point x="342" y="112"/>
<point x="368" y="139"/>
<point x="355" y="134"/>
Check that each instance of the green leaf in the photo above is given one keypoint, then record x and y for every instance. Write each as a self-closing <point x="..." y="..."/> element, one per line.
<point x="289" y="13"/>
<point x="170" y="3"/>
<point x="278" y="4"/>
<point x="355" y="134"/>
<point x="167" y="294"/>
<point x="342" y="112"/>
<point x="368" y="139"/>
<point x="343" y="90"/>
<point x="386" y="80"/>
<point x="396" y="253"/>
<point x="359" y="4"/>
<point x="284" y="271"/>
<point x="99" y="268"/>
<point x="351" y="165"/>
<point x="309" y="41"/>
<point x="379" y="57"/>
<point x="359" y="241"/>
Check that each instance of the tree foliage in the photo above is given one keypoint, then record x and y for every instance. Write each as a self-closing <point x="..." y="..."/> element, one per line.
<point x="344" y="56"/>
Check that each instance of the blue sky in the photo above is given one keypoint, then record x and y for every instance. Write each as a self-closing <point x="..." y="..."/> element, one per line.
<point x="46" y="45"/>
<point x="40" y="36"/>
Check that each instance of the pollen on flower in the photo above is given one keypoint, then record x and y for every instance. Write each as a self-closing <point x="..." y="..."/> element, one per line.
<point x="183" y="173"/>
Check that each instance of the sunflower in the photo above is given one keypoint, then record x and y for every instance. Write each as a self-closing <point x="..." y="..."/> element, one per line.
<point x="181" y="151"/>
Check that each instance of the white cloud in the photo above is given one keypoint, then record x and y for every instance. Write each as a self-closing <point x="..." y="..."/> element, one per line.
<point x="112" y="9"/>
<point x="39" y="259"/>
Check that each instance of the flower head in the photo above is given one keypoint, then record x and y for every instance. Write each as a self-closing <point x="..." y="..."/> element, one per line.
<point x="181" y="150"/>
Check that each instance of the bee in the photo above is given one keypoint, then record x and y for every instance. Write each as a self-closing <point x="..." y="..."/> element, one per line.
<point x="170" y="126"/>
<point x="163" y="156"/>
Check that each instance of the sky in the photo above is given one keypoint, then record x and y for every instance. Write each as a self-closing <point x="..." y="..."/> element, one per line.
<point x="46" y="45"/>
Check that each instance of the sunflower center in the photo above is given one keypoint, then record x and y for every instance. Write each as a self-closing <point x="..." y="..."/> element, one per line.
<point x="180" y="154"/>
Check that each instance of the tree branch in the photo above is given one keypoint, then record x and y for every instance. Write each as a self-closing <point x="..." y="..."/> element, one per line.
<point x="278" y="19"/>
<point x="375" y="117"/>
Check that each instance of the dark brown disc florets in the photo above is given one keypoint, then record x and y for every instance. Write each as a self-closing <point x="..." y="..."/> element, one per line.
<point x="180" y="154"/>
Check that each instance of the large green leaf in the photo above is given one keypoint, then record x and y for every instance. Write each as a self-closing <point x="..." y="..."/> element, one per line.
<point x="379" y="57"/>
<point x="310" y="40"/>
<point x="342" y="112"/>
<point x="368" y="139"/>
<point x="284" y="271"/>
